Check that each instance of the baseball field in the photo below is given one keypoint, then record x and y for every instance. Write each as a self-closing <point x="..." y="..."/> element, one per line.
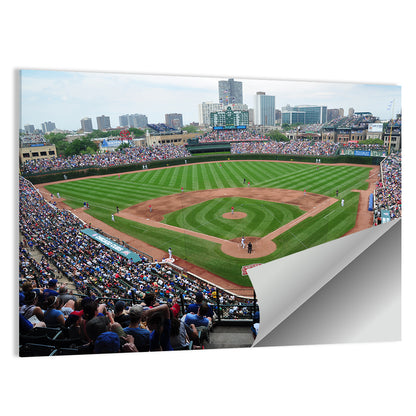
<point x="203" y="210"/>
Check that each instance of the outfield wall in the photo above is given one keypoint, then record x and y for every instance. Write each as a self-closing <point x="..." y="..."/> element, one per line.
<point x="56" y="176"/>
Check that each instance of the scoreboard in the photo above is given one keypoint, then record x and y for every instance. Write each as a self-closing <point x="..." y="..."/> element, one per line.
<point x="229" y="119"/>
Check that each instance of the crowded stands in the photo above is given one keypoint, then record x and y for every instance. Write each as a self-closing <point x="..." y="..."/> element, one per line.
<point x="242" y="141"/>
<point x="101" y="279"/>
<point x="128" y="156"/>
<point x="292" y="147"/>
<point x="388" y="194"/>
<point x="116" y="305"/>
<point x="231" y="136"/>
<point x="30" y="139"/>
<point x="160" y="128"/>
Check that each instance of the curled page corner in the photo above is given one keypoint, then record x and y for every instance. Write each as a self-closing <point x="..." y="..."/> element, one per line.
<point x="283" y="285"/>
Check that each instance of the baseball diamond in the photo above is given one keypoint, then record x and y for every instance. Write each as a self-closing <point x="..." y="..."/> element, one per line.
<point x="289" y="206"/>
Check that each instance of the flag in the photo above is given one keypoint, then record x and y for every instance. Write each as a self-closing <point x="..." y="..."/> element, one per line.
<point x="390" y="105"/>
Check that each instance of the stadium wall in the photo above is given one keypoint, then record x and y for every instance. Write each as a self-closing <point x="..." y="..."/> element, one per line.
<point x="92" y="171"/>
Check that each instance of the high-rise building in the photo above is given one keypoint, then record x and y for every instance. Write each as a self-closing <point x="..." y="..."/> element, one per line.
<point x="205" y="109"/>
<point x="350" y="112"/>
<point x="174" y="120"/>
<point x="29" y="129"/>
<point x="264" y="109"/>
<point x="86" y="125"/>
<point x="293" y="117"/>
<point x="251" y="116"/>
<point x="103" y="123"/>
<point x="278" y="116"/>
<point x="313" y="113"/>
<point x="334" y="113"/>
<point x="230" y="92"/>
<point x="48" y="126"/>
<point x="137" y="121"/>
<point x="305" y="114"/>
<point x="123" y="120"/>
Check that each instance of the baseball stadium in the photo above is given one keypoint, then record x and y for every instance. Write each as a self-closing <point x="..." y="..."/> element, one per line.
<point x="114" y="245"/>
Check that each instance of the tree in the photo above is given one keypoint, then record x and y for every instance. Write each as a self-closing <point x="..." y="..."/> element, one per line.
<point x="276" y="135"/>
<point x="97" y="134"/>
<point x="136" y="132"/>
<point x="58" y="139"/>
<point x="81" y="146"/>
<point x="190" y="129"/>
<point x="286" y="126"/>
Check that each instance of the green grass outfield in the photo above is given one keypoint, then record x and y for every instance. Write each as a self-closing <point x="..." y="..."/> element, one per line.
<point x="105" y="193"/>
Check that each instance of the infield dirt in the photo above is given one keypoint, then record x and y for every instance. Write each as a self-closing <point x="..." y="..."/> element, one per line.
<point x="311" y="203"/>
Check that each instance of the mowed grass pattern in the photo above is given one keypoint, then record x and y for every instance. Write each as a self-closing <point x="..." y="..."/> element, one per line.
<point x="105" y="194"/>
<point x="262" y="217"/>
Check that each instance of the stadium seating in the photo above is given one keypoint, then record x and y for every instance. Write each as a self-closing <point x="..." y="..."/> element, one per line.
<point x="90" y="266"/>
<point x="37" y="350"/>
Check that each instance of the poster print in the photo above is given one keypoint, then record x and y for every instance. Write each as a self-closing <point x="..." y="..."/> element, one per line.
<point x="166" y="213"/>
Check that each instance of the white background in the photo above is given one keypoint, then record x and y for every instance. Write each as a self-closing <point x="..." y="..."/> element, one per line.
<point x="353" y="41"/>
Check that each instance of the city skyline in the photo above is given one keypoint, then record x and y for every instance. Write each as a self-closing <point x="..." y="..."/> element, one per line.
<point x="66" y="97"/>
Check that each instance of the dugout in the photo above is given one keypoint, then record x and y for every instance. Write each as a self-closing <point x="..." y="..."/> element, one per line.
<point x="371" y="202"/>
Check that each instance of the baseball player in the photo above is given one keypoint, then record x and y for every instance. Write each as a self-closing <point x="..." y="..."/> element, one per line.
<point x="249" y="247"/>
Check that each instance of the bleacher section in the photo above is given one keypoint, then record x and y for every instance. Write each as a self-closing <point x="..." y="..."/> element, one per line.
<point x="160" y="128"/>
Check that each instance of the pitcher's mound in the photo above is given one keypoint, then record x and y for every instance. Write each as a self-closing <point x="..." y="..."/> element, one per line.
<point x="235" y="216"/>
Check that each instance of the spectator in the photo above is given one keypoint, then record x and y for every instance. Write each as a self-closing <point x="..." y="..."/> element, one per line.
<point x="53" y="316"/>
<point x="73" y="324"/>
<point x="30" y="308"/>
<point x="256" y="324"/>
<point x="193" y="307"/>
<point x="68" y="307"/>
<point x="149" y="301"/>
<point x="96" y="326"/>
<point x="182" y="334"/>
<point x="25" y="326"/>
<point x="141" y="336"/>
<point x="51" y="290"/>
<point x="65" y="294"/>
<point x="89" y="311"/>
<point x="120" y="314"/>
<point x="26" y="288"/>
<point x="201" y="318"/>
<point x="175" y="308"/>
<point x="126" y="341"/>
<point x="158" y="322"/>
<point x="107" y="342"/>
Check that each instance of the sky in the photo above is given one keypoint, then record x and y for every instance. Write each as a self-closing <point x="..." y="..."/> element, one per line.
<point x="65" y="97"/>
